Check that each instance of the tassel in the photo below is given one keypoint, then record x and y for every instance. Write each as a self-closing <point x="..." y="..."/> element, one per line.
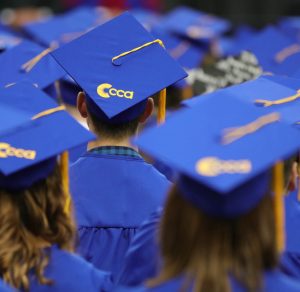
<point x="278" y="187"/>
<point x="162" y="99"/>
<point x="64" y="168"/>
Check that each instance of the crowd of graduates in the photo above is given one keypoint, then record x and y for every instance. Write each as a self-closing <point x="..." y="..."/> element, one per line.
<point x="147" y="152"/>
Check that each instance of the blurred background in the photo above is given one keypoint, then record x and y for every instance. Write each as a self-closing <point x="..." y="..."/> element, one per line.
<point x="254" y="12"/>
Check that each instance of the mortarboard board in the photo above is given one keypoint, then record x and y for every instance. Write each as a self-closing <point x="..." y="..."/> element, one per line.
<point x="265" y="93"/>
<point x="8" y="40"/>
<point x="272" y="48"/>
<point x="146" y="17"/>
<point x="29" y="61"/>
<point x="290" y="82"/>
<point x="119" y="65"/>
<point x="28" y="153"/>
<point x="188" y="54"/>
<point x="65" y="28"/>
<point x="225" y="155"/>
<point x="290" y="26"/>
<point x="194" y="24"/>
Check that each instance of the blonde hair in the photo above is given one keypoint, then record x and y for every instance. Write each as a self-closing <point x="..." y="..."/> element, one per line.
<point x="27" y="217"/>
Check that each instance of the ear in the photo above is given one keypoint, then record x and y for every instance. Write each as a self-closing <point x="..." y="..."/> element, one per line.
<point x="148" y="110"/>
<point x="81" y="104"/>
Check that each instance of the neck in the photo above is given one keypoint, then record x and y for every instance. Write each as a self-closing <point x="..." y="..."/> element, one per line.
<point x="111" y="142"/>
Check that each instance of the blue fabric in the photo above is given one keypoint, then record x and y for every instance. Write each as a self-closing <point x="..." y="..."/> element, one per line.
<point x="46" y="137"/>
<point x="292" y="222"/>
<point x="290" y="260"/>
<point x="194" y="24"/>
<point x="142" y="260"/>
<point x="192" y="152"/>
<point x="5" y="288"/>
<point x="116" y="86"/>
<point x="274" y="281"/>
<point x="44" y="73"/>
<point x="112" y="195"/>
<point x="71" y="273"/>
<point x="290" y="264"/>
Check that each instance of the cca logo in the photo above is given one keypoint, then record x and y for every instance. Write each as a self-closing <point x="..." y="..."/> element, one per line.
<point x="106" y="90"/>
<point x="7" y="151"/>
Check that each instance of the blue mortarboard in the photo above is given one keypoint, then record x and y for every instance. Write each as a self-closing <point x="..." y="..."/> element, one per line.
<point x="291" y="82"/>
<point x="264" y="93"/>
<point x="271" y="47"/>
<point x="146" y="17"/>
<point x="29" y="61"/>
<point x="65" y="28"/>
<point x="28" y="153"/>
<point x="225" y="155"/>
<point x="290" y="26"/>
<point x="194" y="24"/>
<point x="188" y="54"/>
<point x="8" y="40"/>
<point x="119" y="65"/>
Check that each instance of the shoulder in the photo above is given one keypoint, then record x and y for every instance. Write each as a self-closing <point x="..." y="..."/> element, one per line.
<point x="277" y="281"/>
<point x="4" y="287"/>
<point x="70" y="271"/>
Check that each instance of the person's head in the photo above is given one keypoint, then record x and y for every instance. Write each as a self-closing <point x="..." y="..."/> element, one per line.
<point x="118" y="128"/>
<point x="219" y="222"/>
<point x="32" y="219"/>
<point x="209" y="249"/>
<point x="34" y="194"/>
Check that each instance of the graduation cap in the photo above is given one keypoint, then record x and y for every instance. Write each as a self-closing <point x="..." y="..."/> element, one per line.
<point x="273" y="50"/>
<point x="28" y="153"/>
<point x="29" y="61"/>
<point x="187" y="53"/>
<point x="65" y="28"/>
<point x="119" y="65"/>
<point x="224" y="157"/>
<point x="290" y="26"/>
<point x="8" y="40"/>
<point x="266" y="93"/>
<point x="194" y="24"/>
<point x="146" y="17"/>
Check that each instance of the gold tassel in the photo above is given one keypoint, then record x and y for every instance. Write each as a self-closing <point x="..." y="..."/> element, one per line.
<point x="64" y="168"/>
<point x="162" y="99"/>
<point x="278" y="187"/>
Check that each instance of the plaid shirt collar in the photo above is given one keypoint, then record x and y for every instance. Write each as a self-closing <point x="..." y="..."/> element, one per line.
<point x="116" y="150"/>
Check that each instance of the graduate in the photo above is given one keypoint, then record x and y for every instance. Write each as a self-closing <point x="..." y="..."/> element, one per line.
<point x="36" y="226"/>
<point x="119" y="65"/>
<point x="221" y="229"/>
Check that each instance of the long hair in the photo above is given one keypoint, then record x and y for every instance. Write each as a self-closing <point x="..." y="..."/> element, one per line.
<point x="28" y="218"/>
<point x="207" y="250"/>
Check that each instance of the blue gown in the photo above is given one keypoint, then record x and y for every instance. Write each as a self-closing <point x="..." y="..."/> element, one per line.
<point x="274" y="281"/>
<point x="290" y="259"/>
<point x="142" y="260"/>
<point x="5" y="288"/>
<point x="72" y="273"/>
<point x="112" y="196"/>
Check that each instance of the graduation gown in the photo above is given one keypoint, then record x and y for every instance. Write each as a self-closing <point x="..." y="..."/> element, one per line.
<point x="112" y="196"/>
<point x="4" y="287"/>
<point x="290" y="259"/>
<point x="70" y="272"/>
<point x="142" y="260"/>
<point x="274" y="281"/>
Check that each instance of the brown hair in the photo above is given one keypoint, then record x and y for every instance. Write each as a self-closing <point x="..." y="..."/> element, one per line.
<point x="27" y="217"/>
<point x="207" y="249"/>
<point x="113" y="131"/>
